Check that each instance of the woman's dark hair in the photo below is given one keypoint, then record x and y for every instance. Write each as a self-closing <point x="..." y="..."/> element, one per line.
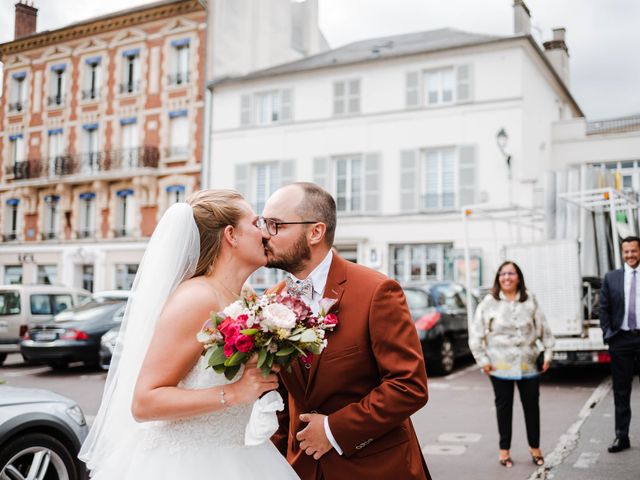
<point x="522" y="289"/>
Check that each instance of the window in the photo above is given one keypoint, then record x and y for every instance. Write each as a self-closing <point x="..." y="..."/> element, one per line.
<point x="18" y="92"/>
<point x="179" y="142"/>
<point x="47" y="274"/>
<point x="42" y="304"/>
<point x="57" y="82"/>
<point x="439" y="179"/>
<point x="266" y="108"/>
<point x="51" y="217"/>
<point x="267" y="181"/>
<point x="346" y="97"/>
<point x="9" y="302"/>
<point x="418" y="262"/>
<point x="130" y="71"/>
<point x="125" y="274"/>
<point x="57" y="164"/>
<point x="180" y="62"/>
<point x="92" y="79"/>
<point x="87" y="277"/>
<point x="16" y="148"/>
<point x="11" y="219"/>
<point x="129" y="142"/>
<point x="176" y="194"/>
<point x="13" y="274"/>
<point x="86" y="215"/>
<point x="349" y="188"/>
<point x="259" y="180"/>
<point x="90" y="159"/>
<point x="124" y="213"/>
<point x="438" y="86"/>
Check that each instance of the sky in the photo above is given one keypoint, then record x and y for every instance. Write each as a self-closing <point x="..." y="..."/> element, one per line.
<point x="602" y="35"/>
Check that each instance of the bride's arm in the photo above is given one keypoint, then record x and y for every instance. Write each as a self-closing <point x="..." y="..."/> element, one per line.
<point x="173" y="351"/>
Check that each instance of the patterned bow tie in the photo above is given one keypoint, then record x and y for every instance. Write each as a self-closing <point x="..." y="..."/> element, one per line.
<point x="299" y="288"/>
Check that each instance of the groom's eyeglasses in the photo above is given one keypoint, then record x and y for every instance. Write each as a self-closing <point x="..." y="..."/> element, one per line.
<point x="272" y="225"/>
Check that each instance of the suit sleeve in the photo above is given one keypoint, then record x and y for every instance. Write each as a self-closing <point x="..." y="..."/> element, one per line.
<point x="281" y="438"/>
<point x="403" y="386"/>
<point x="605" y="306"/>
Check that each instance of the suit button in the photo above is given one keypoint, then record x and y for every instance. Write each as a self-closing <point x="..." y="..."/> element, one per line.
<point x="307" y="366"/>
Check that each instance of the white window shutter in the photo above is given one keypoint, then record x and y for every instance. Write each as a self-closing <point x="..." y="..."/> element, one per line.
<point x="464" y="83"/>
<point x="286" y="105"/>
<point x="467" y="174"/>
<point x="242" y="180"/>
<point x="412" y="89"/>
<point x="245" y="110"/>
<point x="408" y="180"/>
<point x="372" y="182"/>
<point x="287" y="172"/>
<point x="321" y="172"/>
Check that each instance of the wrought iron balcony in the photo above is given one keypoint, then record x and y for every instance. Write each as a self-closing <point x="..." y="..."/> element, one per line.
<point x="16" y="107"/>
<point x="177" y="152"/>
<point x="55" y="100"/>
<point x="179" y="78"/>
<point x="86" y="163"/>
<point x="129" y="87"/>
<point x="10" y="237"/>
<point x="85" y="233"/>
<point x="49" y="235"/>
<point x="91" y="94"/>
<point x="122" y="232"/>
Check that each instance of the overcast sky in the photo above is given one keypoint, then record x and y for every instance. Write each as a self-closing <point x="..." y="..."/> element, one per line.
<point x="603" y="36"/>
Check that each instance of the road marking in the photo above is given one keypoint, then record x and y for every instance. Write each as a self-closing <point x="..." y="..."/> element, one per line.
<point x="569" y="440"/>
<point x="24" y="373"/>
<point x="586" y="460"/>
<point x="459" y="437"/>
<point x="444" y="449"/>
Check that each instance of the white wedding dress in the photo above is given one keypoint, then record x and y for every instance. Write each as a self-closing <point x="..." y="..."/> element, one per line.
<point x="207" y="446"/>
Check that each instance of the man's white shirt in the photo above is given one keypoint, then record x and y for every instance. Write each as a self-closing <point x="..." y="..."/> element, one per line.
<point x="628" y="275"/>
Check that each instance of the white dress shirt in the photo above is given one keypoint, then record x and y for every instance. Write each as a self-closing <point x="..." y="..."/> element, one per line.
<point x="319" y="281"/>
<point x="628" y="274"/>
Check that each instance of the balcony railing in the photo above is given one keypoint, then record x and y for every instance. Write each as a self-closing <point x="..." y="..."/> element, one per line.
<point x="55" y="100"/>
<point x="85" y="233"/>
<point x="90" y="94"/>
<point x="9" y="237"/>
<point x="177" y="152"/>
<point x="178" y="78"/>
<point x="129" y="87"/>
<point x="49" y="235"/>
<point x="122" y="232"/>
<point x="16" y="106"/>
<point x="86" y="163"/>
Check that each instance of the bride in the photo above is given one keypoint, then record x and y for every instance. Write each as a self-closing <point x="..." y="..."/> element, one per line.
<point x="163" y="415"/>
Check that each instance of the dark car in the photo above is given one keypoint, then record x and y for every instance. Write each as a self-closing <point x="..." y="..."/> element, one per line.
<point x="440" y="314"/>
<point x="40" y="435"/>
<point x="107" y="346"/>
<point x="73" y="335"/>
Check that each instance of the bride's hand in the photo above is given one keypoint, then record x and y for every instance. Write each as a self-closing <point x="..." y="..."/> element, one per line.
<point x="252" y="384"/>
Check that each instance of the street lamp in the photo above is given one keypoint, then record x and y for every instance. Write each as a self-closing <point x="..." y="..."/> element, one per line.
<point x="501" y="139"/>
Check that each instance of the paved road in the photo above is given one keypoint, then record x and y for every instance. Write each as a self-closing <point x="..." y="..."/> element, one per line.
<point x="457" y="428"/>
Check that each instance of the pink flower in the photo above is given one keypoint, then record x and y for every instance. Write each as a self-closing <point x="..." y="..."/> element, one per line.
<point x="230" y="330"/>
<point x="228" y="350"/>
<point x="307" y="359"/>
<point x="244" y="343"/>
<point x="242" y="319"/>
<point x="331" y="320"/>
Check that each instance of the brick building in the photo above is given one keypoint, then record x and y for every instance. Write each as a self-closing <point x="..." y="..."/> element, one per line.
<point x="101" y="127"/>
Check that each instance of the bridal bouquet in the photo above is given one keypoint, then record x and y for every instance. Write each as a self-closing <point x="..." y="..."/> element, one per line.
<point x="277" y="327"/>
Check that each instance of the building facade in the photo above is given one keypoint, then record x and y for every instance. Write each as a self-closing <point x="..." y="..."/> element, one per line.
<point x="403" y="132"/>
<point x="101" y="127"/>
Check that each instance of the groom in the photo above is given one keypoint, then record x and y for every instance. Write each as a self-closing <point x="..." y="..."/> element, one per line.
<point x="348" y="410"/>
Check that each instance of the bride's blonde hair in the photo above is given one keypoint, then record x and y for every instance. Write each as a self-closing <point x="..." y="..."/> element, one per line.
<point x="213" y="210"/>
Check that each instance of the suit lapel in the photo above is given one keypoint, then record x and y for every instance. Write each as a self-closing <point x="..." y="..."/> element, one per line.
<point x="333" y="289"/>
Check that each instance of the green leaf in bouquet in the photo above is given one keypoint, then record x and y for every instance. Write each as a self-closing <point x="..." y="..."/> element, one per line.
<point x="249" y="331"/>
<point x="230" y="372"/>
<point x="301" y="351"/>
<point x="217" y="356"/>
<point x="285" y="351"/>
<point x="262" y="357"/>
<point x="269" y="361"/>
<point x="216" y="319"/>
<point x="308" y="336"/>
<point x="314" y="348"/>
<point x="298" y="330"/>
<point x="235" y="359"/>
<point x="265" y="370"/>
<point x="295" y="338"/>
<point x="219" y="368"/>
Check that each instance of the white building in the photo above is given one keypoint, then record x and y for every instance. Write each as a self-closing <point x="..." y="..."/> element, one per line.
<point x="402" y="131"/>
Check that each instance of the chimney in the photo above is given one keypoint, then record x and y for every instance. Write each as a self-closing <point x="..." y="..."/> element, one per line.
<point x="558" y="53"/>
<point x="26" y="16"/>
<point x="521" y="18"/>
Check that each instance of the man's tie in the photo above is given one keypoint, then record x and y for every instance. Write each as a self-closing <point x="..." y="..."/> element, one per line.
<point x="299" y="287"/>
<point x="632" y="303"/>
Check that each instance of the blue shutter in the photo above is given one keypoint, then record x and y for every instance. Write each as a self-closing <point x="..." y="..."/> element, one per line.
<point x="19" y="75"/>
<point x="178" y="113"/>
<point x="180" y="43"/>
<point x="124" y="193"/>
<point x="128" y="121"/>
<point x="59" y="67"/>
<point x="13" y="202"/>
<point x="87" y="196"/>
<point x="175" y="188"/>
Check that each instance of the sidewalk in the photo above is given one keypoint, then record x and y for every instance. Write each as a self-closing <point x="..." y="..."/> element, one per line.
<point x="582" y="453"/>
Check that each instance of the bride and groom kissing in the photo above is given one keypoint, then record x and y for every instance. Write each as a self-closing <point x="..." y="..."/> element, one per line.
<point x="164" y="415"/>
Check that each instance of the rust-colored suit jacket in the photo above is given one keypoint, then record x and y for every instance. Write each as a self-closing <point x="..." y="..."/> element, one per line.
<point x="369" y="380"/>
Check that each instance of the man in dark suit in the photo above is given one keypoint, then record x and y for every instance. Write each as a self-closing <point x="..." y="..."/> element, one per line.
<point x="619" y="304"/>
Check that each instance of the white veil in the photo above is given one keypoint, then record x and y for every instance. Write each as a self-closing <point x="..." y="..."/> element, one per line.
<point x="170" y="257"/>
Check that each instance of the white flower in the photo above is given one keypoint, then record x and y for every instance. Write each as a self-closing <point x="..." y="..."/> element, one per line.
<point x="277" y="315"/>
<point x="234" y="310"/>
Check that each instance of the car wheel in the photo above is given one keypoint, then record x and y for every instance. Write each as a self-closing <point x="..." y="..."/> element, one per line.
<point x="446" y="358"/>
<point x="3" y="357"/>
<point x="36" y="455"/>
<point x="59" y="365"/>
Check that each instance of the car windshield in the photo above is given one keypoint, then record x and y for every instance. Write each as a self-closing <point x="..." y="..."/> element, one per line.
<point x="9" y="303"/>
<point x="87" y="311"/>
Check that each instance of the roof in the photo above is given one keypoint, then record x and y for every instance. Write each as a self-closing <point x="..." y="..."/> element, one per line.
<point x="614" y="125"/>
<point x="379" y="48"/>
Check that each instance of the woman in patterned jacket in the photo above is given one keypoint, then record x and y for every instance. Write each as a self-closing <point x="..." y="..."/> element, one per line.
<point x="505" y="337"/>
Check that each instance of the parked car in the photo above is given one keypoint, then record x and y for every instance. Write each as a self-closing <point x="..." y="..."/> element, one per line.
<point x="72" y="336"/>
<point x="439" y="312"/>
<point x="40" y="435"/>
<point x="107" y="346"/>
<point x="109" y="295"/>
<point x="24" y="306"/>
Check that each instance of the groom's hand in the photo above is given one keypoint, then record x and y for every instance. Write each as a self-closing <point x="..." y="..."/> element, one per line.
<point x="312" y="438"/>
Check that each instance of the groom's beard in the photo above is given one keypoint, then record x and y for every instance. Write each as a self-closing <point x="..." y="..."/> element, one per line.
<point x="294" y="259"/>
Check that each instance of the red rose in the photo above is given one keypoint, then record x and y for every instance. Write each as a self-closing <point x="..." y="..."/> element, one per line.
<point x="244" y="343"/>
<point x="331" y="320"/>
<point x="228" y="350"/>
<point x="242" y="319"/>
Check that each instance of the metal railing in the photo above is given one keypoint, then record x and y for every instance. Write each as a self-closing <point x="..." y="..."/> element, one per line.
<point x="122" y="232"/>
<point x="176" y="152"/>
<point x="179" y="78"/>
<point x="129" y="87"/>
<point x="85" y="233"/>
<point x="86" y="163"/>
<point x="55" y="100"/>
<point x="16" y="106"/>
<point x="49" y="235"/>
<point x="90" y="94"/>
<point x="9" y="237"/>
